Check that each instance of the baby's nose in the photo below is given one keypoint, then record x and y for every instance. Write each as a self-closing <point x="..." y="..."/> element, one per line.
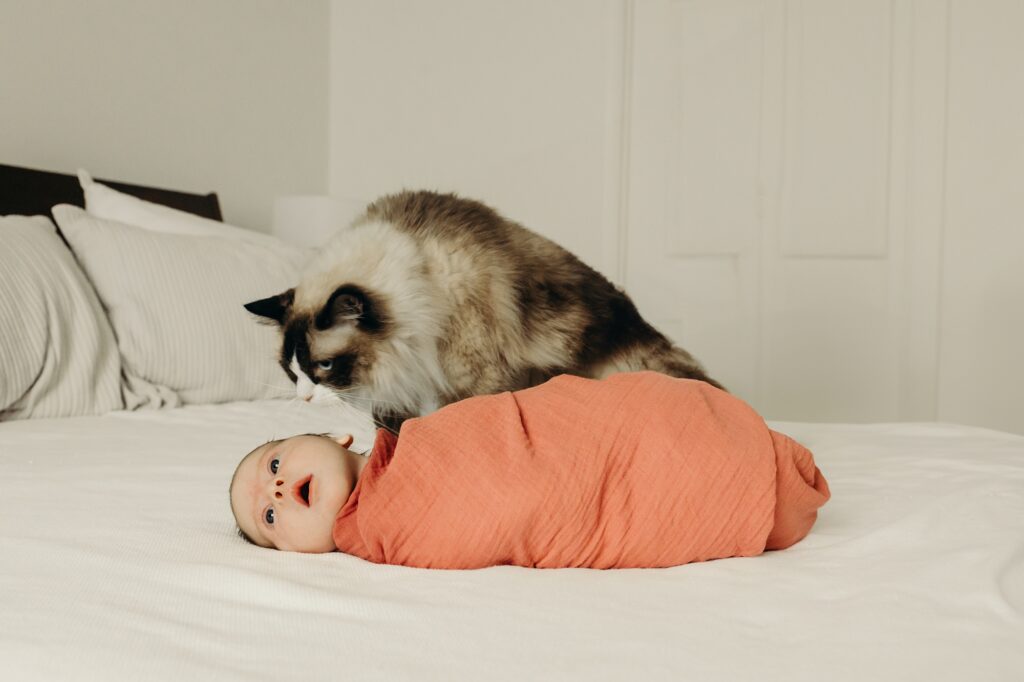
<point x="277" y="488"/>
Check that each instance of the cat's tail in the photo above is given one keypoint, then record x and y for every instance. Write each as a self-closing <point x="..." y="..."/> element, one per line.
<point x="676" y="362"/>
<point x="656" y="354"/>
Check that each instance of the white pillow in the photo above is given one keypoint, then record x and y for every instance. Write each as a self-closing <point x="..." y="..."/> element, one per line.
<point x="106" y="202"/>
<point x="58" y="357"/>
<point x="175" y="303"/>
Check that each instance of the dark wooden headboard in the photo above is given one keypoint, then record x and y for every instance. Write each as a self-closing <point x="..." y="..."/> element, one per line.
<point x="24" y="191"/>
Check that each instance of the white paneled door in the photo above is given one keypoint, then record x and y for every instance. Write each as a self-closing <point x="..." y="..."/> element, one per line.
<point x="822" y="199"/>
<point x="784" y="194"/>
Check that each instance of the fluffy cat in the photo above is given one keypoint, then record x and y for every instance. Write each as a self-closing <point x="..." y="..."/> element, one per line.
<point x="430" y="298"/>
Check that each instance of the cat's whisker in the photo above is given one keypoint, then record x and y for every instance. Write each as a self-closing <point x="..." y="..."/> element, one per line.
<point x="275" y="390"/>
<point x="349" y="394"/>
<point x="384" y="426"/>
<point x="279" y="390"/>
<point x="278" y="396"/>
<point x="291" y="405"/>
<point x="366" y="402"/>
<point x="282" y="393"/>
<point x="357" y="403"/>
<point x="263" y="383"/>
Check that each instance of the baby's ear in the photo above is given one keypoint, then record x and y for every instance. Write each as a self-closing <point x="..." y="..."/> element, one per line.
<point x="344" y="441"/>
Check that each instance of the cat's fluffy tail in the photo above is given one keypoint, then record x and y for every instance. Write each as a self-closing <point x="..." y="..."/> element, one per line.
<point x="676" y="362"/>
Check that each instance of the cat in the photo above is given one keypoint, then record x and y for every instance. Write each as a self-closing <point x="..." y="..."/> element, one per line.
<point x="429" y="298"/>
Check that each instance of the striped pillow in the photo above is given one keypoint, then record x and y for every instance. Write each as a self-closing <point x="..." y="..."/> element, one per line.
<point x="175" y="302"/>
<point x="58" y="357"/>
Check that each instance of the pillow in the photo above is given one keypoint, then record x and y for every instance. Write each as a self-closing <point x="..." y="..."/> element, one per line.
<point x="175" y="303"/>
<point x="58" y="357"/>
<point x="105" y="202"/>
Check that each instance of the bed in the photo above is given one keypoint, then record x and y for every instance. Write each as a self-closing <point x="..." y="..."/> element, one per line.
<point x="119" y="560"/>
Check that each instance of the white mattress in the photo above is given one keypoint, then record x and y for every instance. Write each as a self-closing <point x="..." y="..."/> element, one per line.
<point x="118" y="560"/>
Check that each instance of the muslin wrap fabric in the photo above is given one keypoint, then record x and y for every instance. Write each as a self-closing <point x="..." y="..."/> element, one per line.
<point x="636" y="470"/>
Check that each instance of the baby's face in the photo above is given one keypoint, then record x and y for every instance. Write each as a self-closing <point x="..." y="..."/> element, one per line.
<point x="286" y="494"/>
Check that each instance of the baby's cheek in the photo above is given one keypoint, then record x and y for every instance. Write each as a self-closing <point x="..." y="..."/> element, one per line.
<point x="317" y="532"/>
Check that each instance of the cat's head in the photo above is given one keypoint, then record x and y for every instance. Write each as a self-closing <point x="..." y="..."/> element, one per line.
<point x="328" y="349"/>
<point x="344" y="343"/>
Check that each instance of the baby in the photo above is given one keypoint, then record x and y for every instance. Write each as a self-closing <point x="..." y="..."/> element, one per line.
<point x="636" y="470"/>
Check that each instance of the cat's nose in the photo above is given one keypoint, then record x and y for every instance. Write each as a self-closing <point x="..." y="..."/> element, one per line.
<point x="307" y="398"/>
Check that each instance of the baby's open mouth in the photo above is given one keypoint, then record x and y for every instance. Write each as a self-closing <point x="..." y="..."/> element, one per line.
<point x="301" y="490"/>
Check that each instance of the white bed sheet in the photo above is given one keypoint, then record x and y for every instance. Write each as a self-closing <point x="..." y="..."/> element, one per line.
<point x="118" y="560"/>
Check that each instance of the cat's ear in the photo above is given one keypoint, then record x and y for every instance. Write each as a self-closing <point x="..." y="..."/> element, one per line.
<point x="347" y="303"/>
<point x="274" y="307"/>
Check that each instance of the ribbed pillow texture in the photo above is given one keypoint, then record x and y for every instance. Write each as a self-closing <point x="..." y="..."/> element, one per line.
<point x="58" y="356"/>
<point x="175" y="304"/>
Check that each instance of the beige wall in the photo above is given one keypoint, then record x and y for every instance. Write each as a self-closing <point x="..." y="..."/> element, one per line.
<point x="981" y="321"/>
<point x="827" y="202"/>
<point x="224" y="95"/>
<point x="821" y="199"/>
<point x="508" y="102"/>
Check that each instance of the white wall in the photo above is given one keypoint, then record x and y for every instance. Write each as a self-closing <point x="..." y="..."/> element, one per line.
<point x="822" y="200"/>
<point x="508" y="102"/>
<point x="199" y="95"/>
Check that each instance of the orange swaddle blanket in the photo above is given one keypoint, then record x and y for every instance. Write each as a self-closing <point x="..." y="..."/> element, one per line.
<point x="637" y="470"/>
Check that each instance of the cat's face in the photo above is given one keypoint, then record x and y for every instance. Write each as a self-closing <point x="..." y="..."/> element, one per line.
<point x="328" y="349"/>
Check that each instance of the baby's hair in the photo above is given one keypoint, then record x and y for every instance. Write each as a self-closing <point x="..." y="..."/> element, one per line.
<point x="242" y="534"/>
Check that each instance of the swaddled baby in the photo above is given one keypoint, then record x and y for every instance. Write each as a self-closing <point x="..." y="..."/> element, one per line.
<point x="636" y="470"/>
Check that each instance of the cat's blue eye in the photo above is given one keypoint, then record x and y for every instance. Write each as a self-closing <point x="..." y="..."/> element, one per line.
<point x="268" y="516"/>
<point x="275" y="464"/>
<point x="325" y="364"/>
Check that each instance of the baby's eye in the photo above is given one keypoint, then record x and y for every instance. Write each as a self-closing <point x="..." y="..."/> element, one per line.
<point x="325" y="364"/>
<point x="268" y="516"/>
<point x="275" y="464"/>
